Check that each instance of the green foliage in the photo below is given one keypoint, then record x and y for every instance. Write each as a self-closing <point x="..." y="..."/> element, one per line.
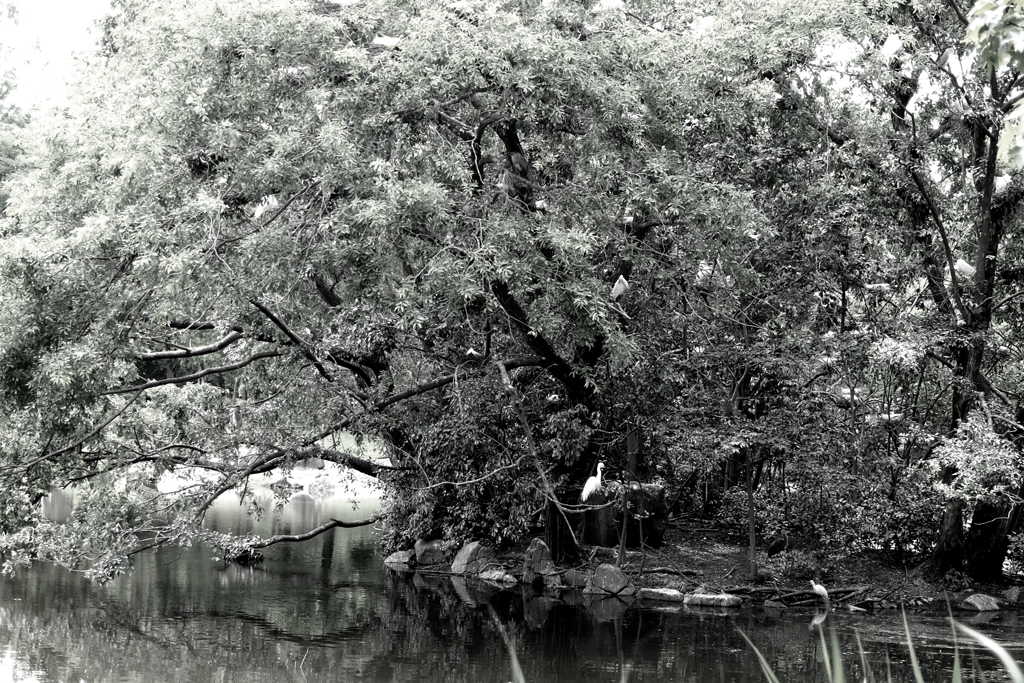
<point x="996" y="33"/>
<point x="987" y="465"/>
<point x="1015" y="553"/>
<point x="260" y="227"/>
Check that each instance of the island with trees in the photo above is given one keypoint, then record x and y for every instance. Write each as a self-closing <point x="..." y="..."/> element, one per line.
<point x="763" y="256"/>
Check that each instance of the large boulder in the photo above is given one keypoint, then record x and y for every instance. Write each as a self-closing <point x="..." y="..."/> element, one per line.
<point x="428" y="552"/>
<point x="610" y="580"/>
<point x="473" y="558"/>
<point x="661" y="594"/>
<point x="403" y="559"/>
<point x="577" y="578"/>
<point x="648" y="515"/>
<point x="981" y="603"/>
<point x="713" y="600"/>
<point x="538" y="568"/>
<point x="497" y="575"/>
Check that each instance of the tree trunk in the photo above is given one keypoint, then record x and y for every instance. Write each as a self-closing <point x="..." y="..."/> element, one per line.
<point x="751" y="521"/>
<point x="987" y="540"/>
<point x="326" y="559"/>
<point x="949" y="550"/>
<point x="558" y="536"/>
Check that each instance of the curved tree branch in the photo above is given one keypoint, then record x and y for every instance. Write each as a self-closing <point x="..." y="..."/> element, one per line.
<point x="362" y="375"/>
<point x="327" y="526"/>
<point x="549" y="490"/>
<point x="195" y="375"/>
<point x="559" y="368"/>
<point x="94" y="432"/>
<point x="306" y="351"/>
<point x="415" y="391"/>
<point x="945" y="245"/>
<point x="354" y="462"/>
<point x="194" y="351"/>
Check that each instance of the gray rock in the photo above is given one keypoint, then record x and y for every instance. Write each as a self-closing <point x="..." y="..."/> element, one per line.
<point x="576" y="578"/>
<point x="473" y="558"/>
<point x="536" y="561"/>
<point x="981" y="603"/>
<point x="1014" y="595"/>
<point x="537" y="566"/>
<point x="402" y="558"/>
<point x="661" y="594"/>
<point x="497" y="575"/>
<point x="716" y="600"/>
<point x="429" y="552"/>
<point x="611" y="580"/>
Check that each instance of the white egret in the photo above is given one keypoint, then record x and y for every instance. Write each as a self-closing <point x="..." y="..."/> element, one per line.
<point x="820" y="590"/>
<point x="621" y="285"/>
<point x="1000" y="185"/>
<point x="593" y="484"/>
<point x="964" y="268"/>
<point x="944" y="57"/>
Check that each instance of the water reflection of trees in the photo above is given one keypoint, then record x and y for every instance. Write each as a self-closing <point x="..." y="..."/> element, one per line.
<point x="325" y="611"/>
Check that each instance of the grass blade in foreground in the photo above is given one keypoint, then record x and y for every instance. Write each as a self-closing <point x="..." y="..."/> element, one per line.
<point x="864" y="670"/>
<point x="768" y="673"/>
<point x="517" y="672"/>
<point x="1012" y="668"/>
<point x="910" y="649"/>
<point x="825" y="657"/>
<point x="957" y="671"/>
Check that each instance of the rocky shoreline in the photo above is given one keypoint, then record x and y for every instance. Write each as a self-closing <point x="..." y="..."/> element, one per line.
<point x="535" y="568"/>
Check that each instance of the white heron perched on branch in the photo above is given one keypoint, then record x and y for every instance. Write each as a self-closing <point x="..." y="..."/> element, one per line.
<point x="593" y="484"/>
<point x="820" y="590"/>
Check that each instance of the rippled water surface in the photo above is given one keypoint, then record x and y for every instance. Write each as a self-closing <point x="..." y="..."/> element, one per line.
<point x="327" y="610"/>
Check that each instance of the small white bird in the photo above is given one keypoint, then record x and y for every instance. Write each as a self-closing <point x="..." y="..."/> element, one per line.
<point x="1000" y="184"/>
<point x="620" y="288"/>
<point x="944" y="57"/>
<point x="266" y="204"/>
<point x="964" y="268"/>
<point x="820" y="590"/>
<point x="593" y="484"/>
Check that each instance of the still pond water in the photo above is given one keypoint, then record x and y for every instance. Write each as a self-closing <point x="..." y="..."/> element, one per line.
<point x="327" y="610"/>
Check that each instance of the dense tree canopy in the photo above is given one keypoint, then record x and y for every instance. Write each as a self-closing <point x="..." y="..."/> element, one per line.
<point x="263" y="230"/>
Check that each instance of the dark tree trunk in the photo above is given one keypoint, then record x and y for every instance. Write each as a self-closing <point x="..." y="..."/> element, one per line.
<point x="558" y="536"/>
<point x="751" y="521"/>
<point x="987" y="540"/>
<point x="969" y="300"/>
<point x="326" y="559"/>
<point x="948" y="554"/>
